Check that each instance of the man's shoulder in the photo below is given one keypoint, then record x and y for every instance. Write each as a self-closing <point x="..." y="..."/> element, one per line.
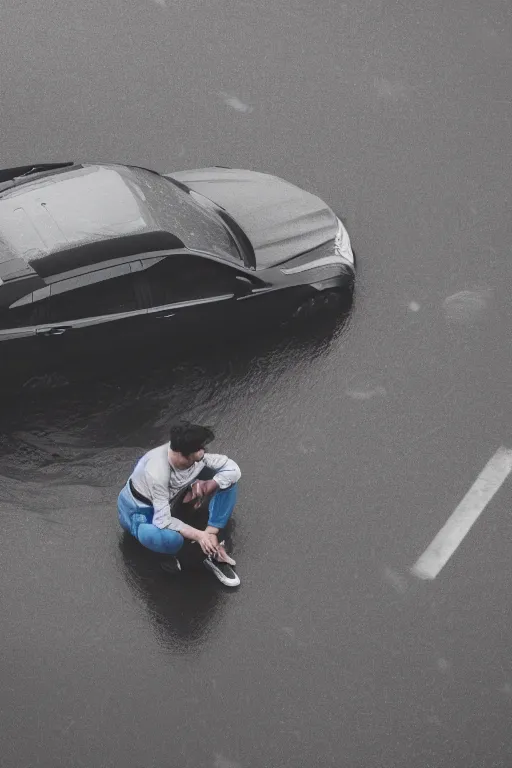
<point x="157" y="462"/>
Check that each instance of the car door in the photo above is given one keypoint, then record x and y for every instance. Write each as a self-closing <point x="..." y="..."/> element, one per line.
<point x="17" y="352"/>
<point x="92" y="313"/>
<point x="18" y="343"/>
<point x="193" y="296"/>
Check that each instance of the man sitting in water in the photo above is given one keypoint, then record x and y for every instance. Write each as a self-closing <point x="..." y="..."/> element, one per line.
<point x="173" y="470"/>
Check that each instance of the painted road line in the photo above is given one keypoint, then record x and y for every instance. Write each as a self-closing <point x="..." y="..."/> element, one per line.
<point x="468" y="511"/>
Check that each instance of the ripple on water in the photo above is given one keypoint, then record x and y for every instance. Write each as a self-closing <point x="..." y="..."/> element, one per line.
<point x="466" y="307"/>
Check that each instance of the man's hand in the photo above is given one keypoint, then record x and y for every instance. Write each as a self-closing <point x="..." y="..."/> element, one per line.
<point x="199" y="490"/>
<point x="208" y="543"/>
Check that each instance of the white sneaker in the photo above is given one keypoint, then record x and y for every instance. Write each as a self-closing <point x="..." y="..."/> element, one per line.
<point x="222" y="571"/>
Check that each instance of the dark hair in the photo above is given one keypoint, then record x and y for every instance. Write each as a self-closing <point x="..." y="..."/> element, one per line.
<point x="187" y="438"/>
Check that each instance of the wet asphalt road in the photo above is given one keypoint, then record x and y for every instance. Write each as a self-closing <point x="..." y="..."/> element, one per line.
<point x="354" y="450"/>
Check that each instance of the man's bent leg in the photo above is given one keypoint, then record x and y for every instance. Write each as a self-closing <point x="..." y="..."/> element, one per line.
<point x="221" y="506"/>
<point x="130" y="513"/>
<point x="161" y="540"/>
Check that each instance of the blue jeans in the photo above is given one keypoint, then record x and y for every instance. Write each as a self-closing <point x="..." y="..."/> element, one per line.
<point x="138" y="520"/>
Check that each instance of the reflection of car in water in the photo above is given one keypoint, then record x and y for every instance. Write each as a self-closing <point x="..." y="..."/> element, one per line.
<point x="92" y="256"/>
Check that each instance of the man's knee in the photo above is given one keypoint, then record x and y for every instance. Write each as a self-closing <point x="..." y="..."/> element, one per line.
<point x="228" y="493"/>
<point x="159" y="540"/>
<point x="224" y="498"/>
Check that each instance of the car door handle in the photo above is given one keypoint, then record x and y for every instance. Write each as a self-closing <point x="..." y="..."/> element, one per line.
<point x="57" y="331"/>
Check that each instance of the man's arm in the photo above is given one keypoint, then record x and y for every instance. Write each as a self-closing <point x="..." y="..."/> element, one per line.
<point x="227" y="471"/>
<point x="162" y="517"/>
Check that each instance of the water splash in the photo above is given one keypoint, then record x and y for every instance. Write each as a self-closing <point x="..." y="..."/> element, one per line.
<point x="466" y="307"/>
<point x="230" y="100"/>
<point x="366" y="392"/>
<point x="396" y="580"/>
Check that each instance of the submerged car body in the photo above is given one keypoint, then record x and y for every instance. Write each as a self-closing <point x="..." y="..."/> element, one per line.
<point x="96" y="255"/>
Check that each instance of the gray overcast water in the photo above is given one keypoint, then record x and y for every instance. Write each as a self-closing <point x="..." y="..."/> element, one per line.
<point x="354" y="450"/>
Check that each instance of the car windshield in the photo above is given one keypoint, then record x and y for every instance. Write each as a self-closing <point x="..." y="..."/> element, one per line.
<point x="179" y="213"/>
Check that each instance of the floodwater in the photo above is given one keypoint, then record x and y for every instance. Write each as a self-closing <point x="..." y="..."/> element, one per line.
<point x="355" y="446"/>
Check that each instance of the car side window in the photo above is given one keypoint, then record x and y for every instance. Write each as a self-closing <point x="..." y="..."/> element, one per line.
<point x="103" y="292"/>
<point x="185" y="277"/>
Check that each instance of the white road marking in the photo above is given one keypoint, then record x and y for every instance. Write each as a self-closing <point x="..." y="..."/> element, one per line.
<point x="465" y="515"/>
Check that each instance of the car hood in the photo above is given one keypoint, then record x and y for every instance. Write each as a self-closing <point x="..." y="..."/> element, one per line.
<point x="280" y="220"/>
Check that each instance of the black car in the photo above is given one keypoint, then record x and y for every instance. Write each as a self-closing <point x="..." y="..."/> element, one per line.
<point x="96" y="255"/>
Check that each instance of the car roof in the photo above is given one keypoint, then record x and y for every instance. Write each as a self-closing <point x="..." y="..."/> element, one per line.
<point x="81" y="210"/>
<point x="69" y="218"/>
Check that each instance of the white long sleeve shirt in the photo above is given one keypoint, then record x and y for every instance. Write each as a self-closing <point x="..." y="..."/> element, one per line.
<point x="156" y="479"/>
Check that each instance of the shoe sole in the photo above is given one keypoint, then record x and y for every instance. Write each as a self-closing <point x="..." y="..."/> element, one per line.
<point x="233" y="582"/>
